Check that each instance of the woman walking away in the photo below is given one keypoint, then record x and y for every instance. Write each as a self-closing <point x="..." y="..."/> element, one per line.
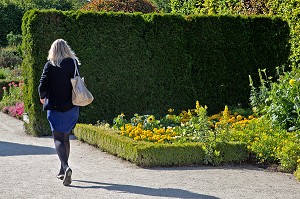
<point x="55" y="92"/>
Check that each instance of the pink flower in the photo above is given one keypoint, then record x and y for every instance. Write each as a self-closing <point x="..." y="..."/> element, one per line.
<point x="19" y="108"/>
<point x="12" y="111"/>
<point x="4" y="88"/>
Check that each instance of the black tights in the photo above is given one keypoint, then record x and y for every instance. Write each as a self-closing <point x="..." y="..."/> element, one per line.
<point x="62" y="146"/>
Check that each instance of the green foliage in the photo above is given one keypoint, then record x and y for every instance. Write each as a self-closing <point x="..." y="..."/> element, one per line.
<point x="189" y="7"/>
<point x="226" y="50"/>
<point x="47" y="4"/>
<point x="4" y="72"/>
<point x="197" y="128"/>
<point x="288" y="10"/>
<point x="11" y="12"/>
<point x="14" y="40"/>
<point x="279" y="100"/>
<point x="149" y="154"/>
<point x="143" y="6"/>
<point x="10" y="58"/>
<point x="119" y="121"/>
<point x="152" y="62"/>
<point x="10" y="21"/>
<point x="269" y="143"/>
<point x="11" y="94"/>
<point x="297" y="173"/>
<point x="162" y="5"/>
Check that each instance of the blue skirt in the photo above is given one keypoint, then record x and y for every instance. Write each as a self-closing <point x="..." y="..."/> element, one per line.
<point x="63" y="122"/>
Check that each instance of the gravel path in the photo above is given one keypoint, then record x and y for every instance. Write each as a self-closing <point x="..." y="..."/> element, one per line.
<point x="28" y="168"/>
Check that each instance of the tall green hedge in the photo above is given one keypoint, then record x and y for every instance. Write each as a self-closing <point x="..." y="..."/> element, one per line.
<point x="146" y="64"/>
<point x="226" y="49"/>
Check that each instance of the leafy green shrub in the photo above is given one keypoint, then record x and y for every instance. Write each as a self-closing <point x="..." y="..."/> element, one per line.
<point x="10" y="20"/>
<point x="269" y="143"/>
<point x="162" y="5"/>
<point x="4" y="72"/>
<point x="279" y="100"/>
<point x="14" y="39"/>
<point x="9" y="58"/>
<point x="143" y="6"/>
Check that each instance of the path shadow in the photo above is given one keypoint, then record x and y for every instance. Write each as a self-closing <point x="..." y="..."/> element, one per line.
<point x="16" y="149"/>
<point x="159" y="192"/>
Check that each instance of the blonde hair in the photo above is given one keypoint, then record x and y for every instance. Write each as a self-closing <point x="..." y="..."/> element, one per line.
<point x="60" y="50"/>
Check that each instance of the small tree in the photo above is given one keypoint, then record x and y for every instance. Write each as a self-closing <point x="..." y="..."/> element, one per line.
<point x="143" y="6"/>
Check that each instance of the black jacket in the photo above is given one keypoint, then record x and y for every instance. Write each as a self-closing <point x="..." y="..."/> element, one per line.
<point x="55" y="85"/>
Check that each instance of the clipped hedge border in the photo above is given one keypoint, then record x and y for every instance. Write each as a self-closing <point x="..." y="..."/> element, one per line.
<point x="149" y="154"/>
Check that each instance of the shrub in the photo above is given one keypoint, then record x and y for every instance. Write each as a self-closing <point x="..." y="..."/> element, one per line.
<point x="149" y="154"/>
<point x="10" y="20"/>
<point x="279" y="100"/>
<point x="4" y="72"/>
<point x="9" y="58"/>
<point x="162" y="5"/>
<point x="143" y="6"/>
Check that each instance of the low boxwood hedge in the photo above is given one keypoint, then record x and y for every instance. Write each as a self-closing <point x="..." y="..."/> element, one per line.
<point x="153" y="154"/>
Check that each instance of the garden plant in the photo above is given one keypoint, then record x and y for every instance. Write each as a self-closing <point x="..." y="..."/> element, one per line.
<point x="267" y="143"/>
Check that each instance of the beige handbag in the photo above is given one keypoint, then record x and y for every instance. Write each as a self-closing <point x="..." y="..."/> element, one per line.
<point x="81" y="96"/>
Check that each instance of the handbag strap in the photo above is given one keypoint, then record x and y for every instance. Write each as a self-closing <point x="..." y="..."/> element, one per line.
<point x="76" y="69"/>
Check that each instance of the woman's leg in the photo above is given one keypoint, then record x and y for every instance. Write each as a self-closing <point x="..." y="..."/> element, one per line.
<point x="62" y="146"/>
<point x="67" y="144"/>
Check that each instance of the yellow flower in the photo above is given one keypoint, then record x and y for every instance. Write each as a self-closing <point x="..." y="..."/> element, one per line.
<point x="137" y="138"/>
<point x="239" y="117"/>
<point x="225" y="112"/>
<point x="250" y="117"/>
<point x="197" y="104"/>
<point x="171" y="110"/>
<point x="151" y="118"/>
<point x="292" y="82"/>
<point x="122" y="115"/>
<point x="190" y="113"/>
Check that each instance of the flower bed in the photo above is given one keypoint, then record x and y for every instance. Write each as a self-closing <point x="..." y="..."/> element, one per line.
<point x="12" y="102"/>
<point x="192" y="137"/>
<point x="151" y="154"/>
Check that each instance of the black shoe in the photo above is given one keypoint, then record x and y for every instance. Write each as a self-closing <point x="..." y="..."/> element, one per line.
<point x="67" y="180"/>
<point x="60" y="176"/>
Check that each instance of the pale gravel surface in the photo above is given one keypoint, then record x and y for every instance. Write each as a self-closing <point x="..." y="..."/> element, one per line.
<point x="28" y="166"/>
